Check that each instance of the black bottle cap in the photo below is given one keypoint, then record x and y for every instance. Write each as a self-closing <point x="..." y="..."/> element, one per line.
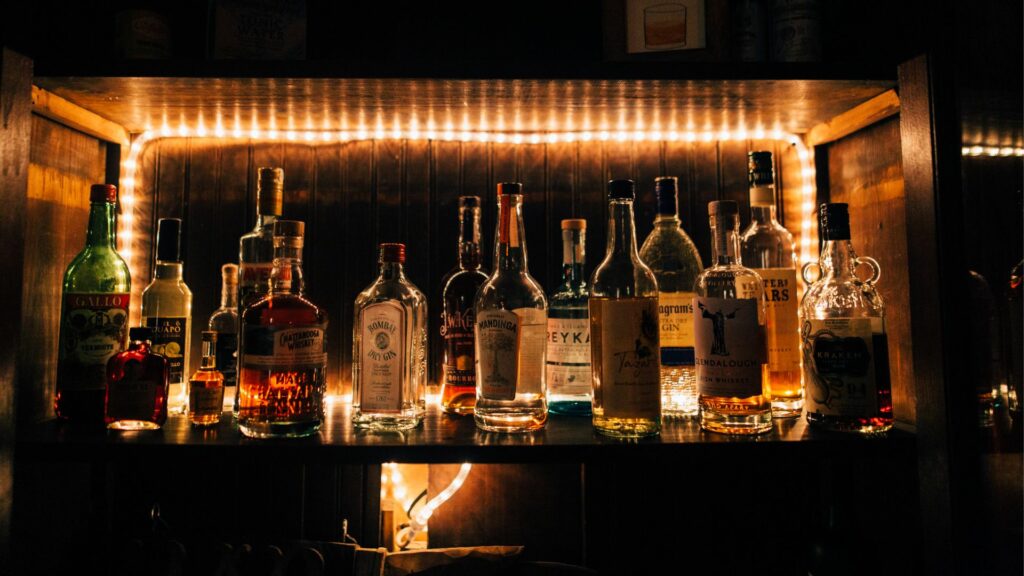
<point x="723" y="208"/>
<point x="140" y="333"/>
<point x="760" y="171"/>
<point x="100" y="193"/>
<point x="621" y="190"/>
<point x="505" y="188"/>
<point x="835" y="221"/>
<point x="168" y="240"/>
<point x="666" y="188"/>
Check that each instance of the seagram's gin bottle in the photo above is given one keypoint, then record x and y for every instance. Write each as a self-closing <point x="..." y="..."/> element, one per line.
<point x="568" y="356"/>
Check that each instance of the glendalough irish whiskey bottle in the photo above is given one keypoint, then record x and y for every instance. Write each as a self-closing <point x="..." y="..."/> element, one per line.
<point x="283" y="351"/>
<point x="137" y="385"/>
<point x="767" y="247"/>
<point x="845" y="350"/>
<point x="624" y="329"/>
<point x="729" y="329"/>
<point x="511" y="324"/>
<point x="389" y="340"/>
<point x="206" y="387"/>
<point x="224" y="321"/>
<point x="673" y="258"/>
<point x="569" y="377"/>
<point x="458" y="370"/>
<point x="94" y="315"/>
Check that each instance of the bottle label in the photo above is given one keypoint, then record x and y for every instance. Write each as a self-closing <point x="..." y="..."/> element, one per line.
<point x="781" y="300"/>
<point x="282" y="349"/>
<point x="203" y="400"/>
<point x="630" y="382"/>
<point x="839" y="366"/>
<point x="729" y="347"/>
<point x="457" y="331"/>
<point x="382" y="357"/>
<point x="131" y="397"/>
<point x="568" y="356"/>
<point x="253" y="281"/>
<point x="675" y="321"/>
<point x="226" y="350"/>
<point x="169" y="334"/>
<point x="94" y="327"/>
<point x="510" y="352"/>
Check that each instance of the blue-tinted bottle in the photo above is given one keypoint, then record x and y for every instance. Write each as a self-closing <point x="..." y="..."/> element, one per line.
<point x="569" y="375"/>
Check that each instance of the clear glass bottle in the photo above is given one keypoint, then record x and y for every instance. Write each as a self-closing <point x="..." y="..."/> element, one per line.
<point x="511" y="324"/>
<point x="283" y="350"/>
<point x="94" y="315"/>
<point x="167" y="310"/>
<point x="729" y="334"/>
<point x="224" y="321"/>
<point x="389" y="344"/>
<point x="673" y="258"/>
<point x="1015" y="340"/>
<point x="458" y="370"/>
<point x="767" y="247"/>
<point x="206" y="387"/>
<point x="569" y="377"/>
<point x="136" y="393"/>
<point x="843" y="340"/>
<point x="624" y="329"/>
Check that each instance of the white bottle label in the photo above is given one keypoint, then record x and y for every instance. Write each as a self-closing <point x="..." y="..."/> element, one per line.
<point x="781" y="299"/>
<point x="510" y="348"/>
<point x="568" y="361"/>
<point x="382" y="357"/>
<point x="283" y="349"/>
<point x="630" y="380"/>
<point x="840" y="366"/>
<point x="729" y="347"/>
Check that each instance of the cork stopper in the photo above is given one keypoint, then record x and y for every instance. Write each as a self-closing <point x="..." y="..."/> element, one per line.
<point x="103" y="193"/>
<point x="621" y="189"/>
<point x="574" y="224"/>
<point x="392" y="252"/>
<point x="270" y="191"/>
<point x="723" y="208"/>
<point x="229" y="273"/>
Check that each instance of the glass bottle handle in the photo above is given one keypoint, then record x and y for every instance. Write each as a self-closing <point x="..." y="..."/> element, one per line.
<point x="876" y="270"/>
<point x="808" y="280"/>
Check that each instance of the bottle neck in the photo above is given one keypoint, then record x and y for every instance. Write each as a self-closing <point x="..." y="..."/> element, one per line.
<point x="762" y="215"/>
<point x="392" y="271"/>
<point x="725" y="240"/>
<point x="286" y="277"/>
<point x="209" y="361"/>
<point x="265" y="220"/>
<point x="167" y="270"/>
<point x="228" y="295"/>
<point x="838" y="260"/>
<point x="469" y="238"/>
<point x="139" y="346"/>
<point x="621" y="231"/>
<point x="510" y="244"/>
<point x="573" y="257"/>
<point x="101" y="226"/>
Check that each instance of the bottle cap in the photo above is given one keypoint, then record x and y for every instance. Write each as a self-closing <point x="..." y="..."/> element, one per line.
<point x="392" y="252"/>
<point x="229" y="272"/>
<point x="574" y="224"/>
<point x="469" y="201"/>
<point x="666" y="189"/>
<point x="209" y="336"/>
<point x="505" y="188"/>
<point x="140" y="333"/>
<point x="621" y="190"/>
<point x="103" y="193"/>
<point x="835" y="221"/>
<point x="760" y="171"/>
<point x="168" y="240"/>
<point x="723" y="208"/>
<point x="289" y="228"/>
<point x="270" y="191"/>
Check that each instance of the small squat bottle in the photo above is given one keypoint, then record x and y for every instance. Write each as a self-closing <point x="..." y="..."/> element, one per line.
<point x="568" y="356"/>
<point x="206" y="387"/>
<point x="137" y="380"/>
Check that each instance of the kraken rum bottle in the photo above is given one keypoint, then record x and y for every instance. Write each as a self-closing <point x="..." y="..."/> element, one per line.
<point x="624" y="329"/>
<point x="94" y="315"/>
<point x="569" y="376"/>
<point x="845" y="350"/>
<point x="729" y="334"/>
<point x="511" y="325"/>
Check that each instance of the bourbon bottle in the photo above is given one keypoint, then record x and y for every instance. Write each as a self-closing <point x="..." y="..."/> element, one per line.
<point x="206" y="387"/>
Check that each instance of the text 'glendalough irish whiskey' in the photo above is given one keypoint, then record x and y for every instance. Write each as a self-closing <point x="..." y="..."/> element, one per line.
<point x="137" y="385"/>
<point x="568" y="356"/>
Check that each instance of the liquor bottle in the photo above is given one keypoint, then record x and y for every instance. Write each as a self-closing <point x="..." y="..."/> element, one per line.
<point x="206" y="387"/>
<point x="389" y="343"/>
<point x="845" y="350"/>
<point x="94" y="315"/>
<point x="673" y="258"/>
<point x="224" y="321"/>
<point x="137" y="379"/>
<point x="729" y="334"/>
<point x="283" y="351"/>
<point x="767" y="247"/>
<point x="624" y="329"/>
<point x="1015" y="350"/>
<point x="167" y="310"/>
<point x="983" y="347"/>
<point x="458" y="371"/>
<point x="569" y="377"/>
<point x="511" y="321"/>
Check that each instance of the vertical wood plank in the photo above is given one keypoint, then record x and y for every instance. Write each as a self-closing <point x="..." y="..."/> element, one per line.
<point x="361" y="258"/>
<point x="648" y="167"/>
<point x="447" y="173"/>
<point x="677" y="163"/>
<point x="593" y="200"/>
<point x="705" y="187"/>
<point x="388" y="190"/>
<point x="561" y="181"/>
<point x="733" y="177"/>
<point x="203" y="248"/>
<point x="331" y="256"/>
<point x="533" y="170"/>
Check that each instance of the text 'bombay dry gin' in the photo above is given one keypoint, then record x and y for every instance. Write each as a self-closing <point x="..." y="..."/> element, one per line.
<point x="729" y="329"/>
<point x="845" y="350"/>
<point x="568" y="355"/>
<point x="624" y="329"/>
<point x="389" y="349"/>
<point x="511" y="325"/>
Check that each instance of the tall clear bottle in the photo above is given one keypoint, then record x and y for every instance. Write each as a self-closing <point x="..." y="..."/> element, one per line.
<point x="624" y="335"/>
<point x="167" y="310"/>
<point x="569" y="376"/>
<point x="673" y="258"/>
<point x="766" y="246"/>
<point x="94" y="315"/>
<point x="389" y="349"/>
<point x="459" y="287"/>
<point x="729" y="317"/>
<point x="511" y="324"/>
<point x="224" y="321"/>
<point x="843" y="340"/>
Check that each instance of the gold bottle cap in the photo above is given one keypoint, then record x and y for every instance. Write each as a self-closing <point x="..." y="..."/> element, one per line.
<point x="574" y="224"/>
<point x="229" y="272"/>
<point x="270" y="191"/>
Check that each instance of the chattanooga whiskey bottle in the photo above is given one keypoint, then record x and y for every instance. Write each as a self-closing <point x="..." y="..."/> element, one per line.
<point x="845" y="350"/>
<point x="767" y="247"/>
<point x="94" y="315"/>
<point x="624" y="329"/>
<point x="729" y="329"/>
<point x="458" y="370"/>
<point x="568" y="357"/>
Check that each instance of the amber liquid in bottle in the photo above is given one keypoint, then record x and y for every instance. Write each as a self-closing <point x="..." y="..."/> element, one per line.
<point x="206" y="387"/>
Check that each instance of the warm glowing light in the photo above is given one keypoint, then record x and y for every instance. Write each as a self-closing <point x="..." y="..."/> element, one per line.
<point x="992" y="151"/>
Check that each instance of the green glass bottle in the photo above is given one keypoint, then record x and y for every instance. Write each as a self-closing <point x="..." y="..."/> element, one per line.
<point x="94" y="315"/>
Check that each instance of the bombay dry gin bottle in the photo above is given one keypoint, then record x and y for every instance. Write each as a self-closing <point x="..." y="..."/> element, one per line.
<point x="283" y="350"/>
<point x="845" y="351"/>
<point x="568" y="356"/>
<point x="94" y="315"/>
<point x="389" y="345"/>
<point x="511" y="325"/>
<point x="767" y="247"/>
<point x="224" y="321"/>
<point x="136" y="397"/>
<point x="458" y="370"/>
<point x="624" y="331"/>
<point x="729" y="334"/>
<point x="167" y="310"/>
<point x="673" y="258"/>
<point x="206" y="386"/>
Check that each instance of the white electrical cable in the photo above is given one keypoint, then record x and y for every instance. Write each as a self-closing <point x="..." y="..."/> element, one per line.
<point x="418" y="521"/>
